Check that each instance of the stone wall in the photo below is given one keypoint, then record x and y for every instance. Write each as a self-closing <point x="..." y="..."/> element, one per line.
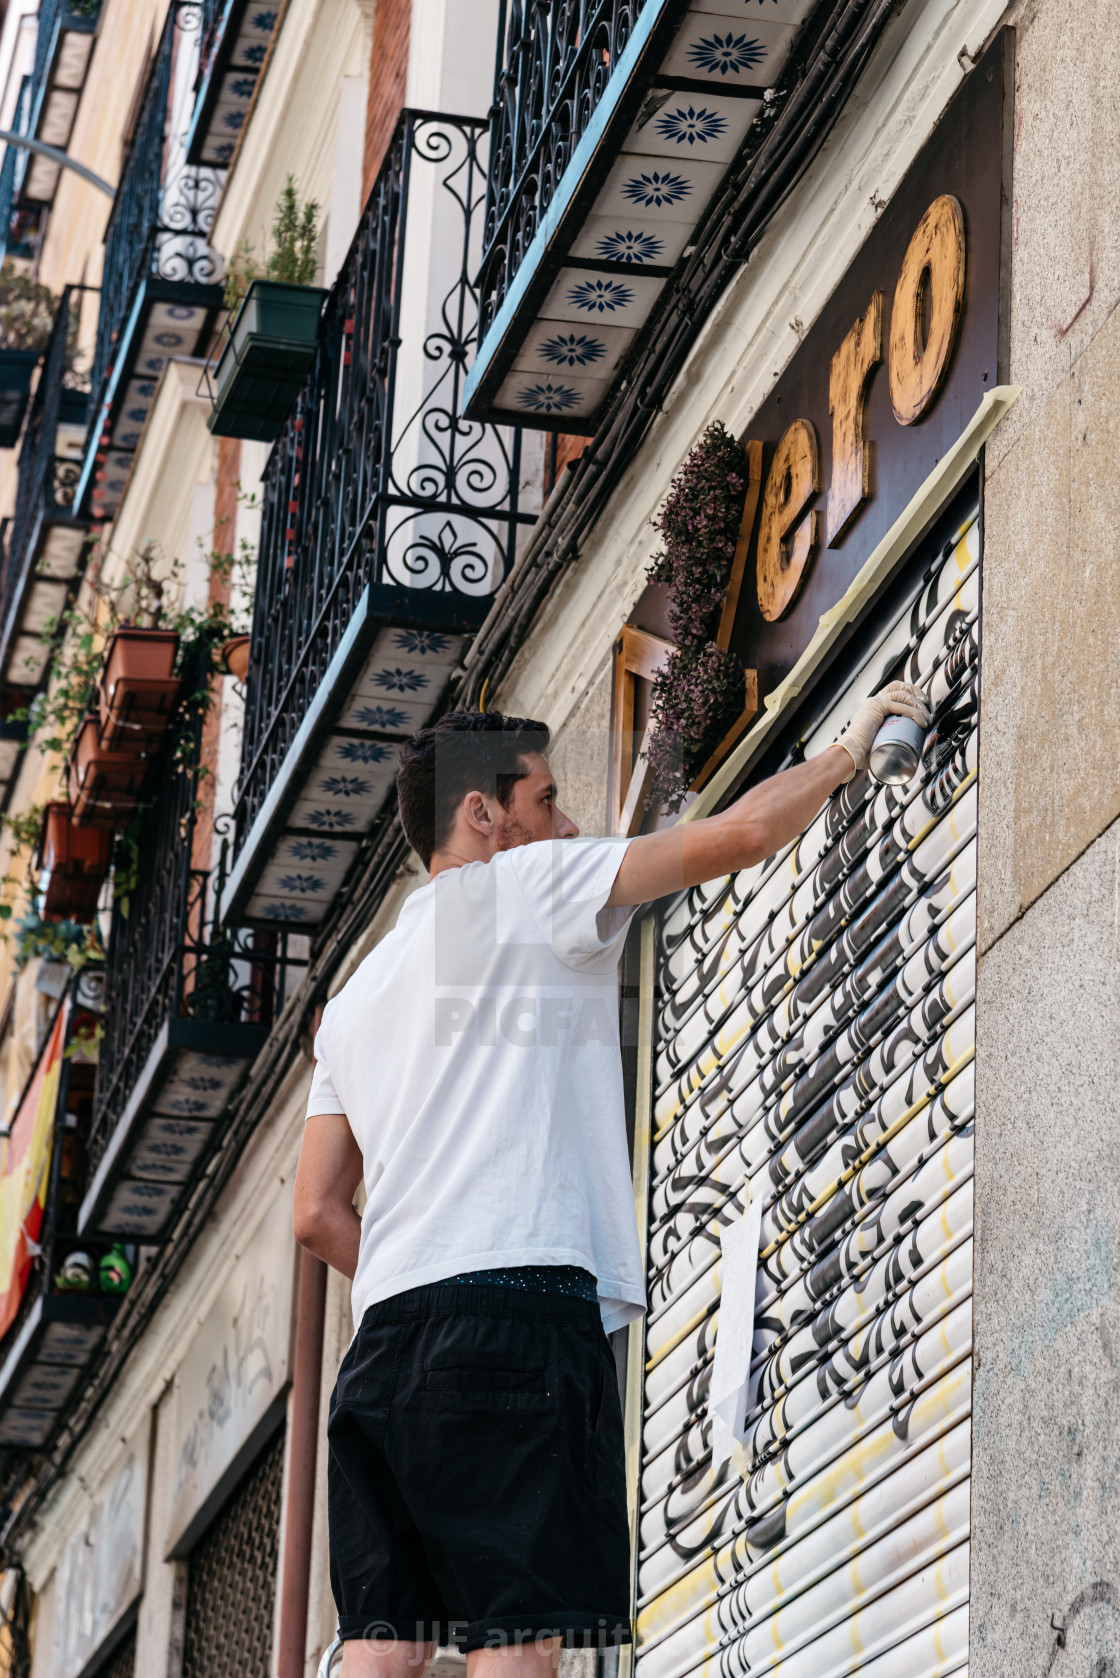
<point x="1046" y="1445"/>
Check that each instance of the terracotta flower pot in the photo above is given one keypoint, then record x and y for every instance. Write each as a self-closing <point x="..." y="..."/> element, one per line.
<point x="73" y="863"/>
<point x="104" y="785"/>
<point x="138" y="690"/>
<point x="234" y="657"/>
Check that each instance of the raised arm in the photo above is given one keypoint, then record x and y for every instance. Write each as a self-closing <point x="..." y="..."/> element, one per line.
<point x="767" y="817"/>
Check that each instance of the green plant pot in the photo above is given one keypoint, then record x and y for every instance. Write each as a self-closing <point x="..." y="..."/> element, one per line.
<point x="16" y="368"/>
<point x="263" y="366"/>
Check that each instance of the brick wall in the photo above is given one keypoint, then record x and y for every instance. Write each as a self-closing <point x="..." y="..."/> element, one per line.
<point x="227" y="490"/>
<point x="387" y="71"/>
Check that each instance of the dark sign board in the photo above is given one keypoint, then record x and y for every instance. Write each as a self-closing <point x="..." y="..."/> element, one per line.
<point x="966" y="159"/>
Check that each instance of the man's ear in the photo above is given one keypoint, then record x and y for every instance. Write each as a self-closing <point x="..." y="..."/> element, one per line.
<point x="479" y="816"/>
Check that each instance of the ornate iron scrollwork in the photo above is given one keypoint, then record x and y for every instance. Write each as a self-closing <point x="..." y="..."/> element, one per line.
<point x="377" y="477"/>
<point x="558" y="61"/>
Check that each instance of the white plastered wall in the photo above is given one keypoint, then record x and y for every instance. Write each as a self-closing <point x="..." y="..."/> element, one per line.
<point x="145" y="1381"/>
<point x="308" y="122"/>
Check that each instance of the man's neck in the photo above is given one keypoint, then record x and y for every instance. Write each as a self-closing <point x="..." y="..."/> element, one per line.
<point x="454" y="857"/>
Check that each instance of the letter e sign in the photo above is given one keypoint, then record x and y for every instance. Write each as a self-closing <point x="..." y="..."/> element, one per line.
<point x="787" y="540"/>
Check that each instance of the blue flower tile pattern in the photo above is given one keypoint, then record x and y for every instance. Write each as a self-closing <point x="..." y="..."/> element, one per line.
<point x="168" y="1149"/>
<point x="169" y="329"/>
<point x="547" y="396"/>
<point x="630" y="244"/>
<point x="598" y="296"/>
<point x="726" y="55"/>
<point x="573" y="349"/>
<point x="599" y="300"/>
<point x="740" y="46"/>
<point x="139" y="1209"/>
<point x="656" y="189"/>
<point x="690" y="125"/>
<point x="634" y="239"/>
<point x="394" y="694"/>
<point x="235" y="94"/>
<point x="199" y="1086"/>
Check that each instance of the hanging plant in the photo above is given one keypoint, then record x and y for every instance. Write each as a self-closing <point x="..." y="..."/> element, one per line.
<point x="700" y="691"/>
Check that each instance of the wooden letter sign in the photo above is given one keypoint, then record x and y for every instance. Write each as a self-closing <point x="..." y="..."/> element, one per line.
<point x="787" y="540"/>
<point x="932" y="276"/>
<point x="851" y="369"/>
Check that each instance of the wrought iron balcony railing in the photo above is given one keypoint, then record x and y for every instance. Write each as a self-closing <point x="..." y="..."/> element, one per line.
<point x="46" y="541"/>
<point x="12" y="242"/>
<point x="188" y="1006"/>
<point x="160" y="291"/>
<point x="616" y="126"/>
<point x="63" y="48"/>
<point x="236" y="37"/>
<point x="388" y="522"/>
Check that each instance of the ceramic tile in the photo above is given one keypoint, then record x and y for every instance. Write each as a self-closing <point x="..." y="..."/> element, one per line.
<point x="26" y="1427"/>
<point x="769" y="11"/>
<point x="198" y="1085"/>
<point x="139" y="1209"/>
<point x="284" y="910"/>
<point x="729" y="51"/>
<point x="321" y="816"/>
<point x="70" y="1342"/>
<point x="398" y="716"/>
<point x="168" y="1148"/>
<point x="602" y="299"/>
<point x="560" y="350"/>
<point x="427" y="647"/>
<point x="327" y="856"/>
<point x="660" y="189"/>
<point x="45" y="1384"/>
<point x="632" y="240"/>
<point x="711" y="126"/>
<point x="525" y="393"/>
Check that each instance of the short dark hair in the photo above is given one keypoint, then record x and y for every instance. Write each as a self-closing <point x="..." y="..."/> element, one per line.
<point x="465" y="751"/>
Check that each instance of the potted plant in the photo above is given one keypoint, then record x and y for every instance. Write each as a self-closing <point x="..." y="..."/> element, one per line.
<point x="274" y="327"/>
<point x="72" y="862"/>
<point x="103" y="784"/>
<point x="138" y="688"/>
<point x="27" y="310"/>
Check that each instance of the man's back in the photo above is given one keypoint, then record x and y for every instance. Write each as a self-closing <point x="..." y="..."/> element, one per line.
<point x="475" y="1054"/>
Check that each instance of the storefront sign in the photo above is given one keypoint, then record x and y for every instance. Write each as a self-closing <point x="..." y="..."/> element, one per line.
<point x="233" y="1379"/>
<point x="101" y="1570"/>
<point x="885" y="381"/>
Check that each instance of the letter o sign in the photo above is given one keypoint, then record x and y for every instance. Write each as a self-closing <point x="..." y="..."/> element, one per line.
<point x="931" y="281"/>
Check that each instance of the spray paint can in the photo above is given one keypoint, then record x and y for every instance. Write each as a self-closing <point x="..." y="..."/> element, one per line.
<point x="896" y="751"/>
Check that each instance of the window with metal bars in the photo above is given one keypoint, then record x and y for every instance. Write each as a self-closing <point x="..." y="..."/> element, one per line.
<point x="122" y="1661"/>
<point x="231" y="1589"/>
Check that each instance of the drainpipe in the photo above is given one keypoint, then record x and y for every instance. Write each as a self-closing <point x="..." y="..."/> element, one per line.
<point x="295" y="1579"/>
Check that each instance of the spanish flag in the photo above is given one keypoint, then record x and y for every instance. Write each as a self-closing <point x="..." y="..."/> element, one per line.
<point x="25" y="1165"/>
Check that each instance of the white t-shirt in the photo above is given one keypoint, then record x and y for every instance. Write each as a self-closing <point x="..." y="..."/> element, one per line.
<point x="475" y="1053"/>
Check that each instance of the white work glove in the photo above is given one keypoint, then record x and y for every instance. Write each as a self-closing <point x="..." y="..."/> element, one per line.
<point x="897" y="699"/>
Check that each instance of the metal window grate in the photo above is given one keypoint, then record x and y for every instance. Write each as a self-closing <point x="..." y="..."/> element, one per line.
<point x="232" y="1585"/>
<point x="122" y="1662"/>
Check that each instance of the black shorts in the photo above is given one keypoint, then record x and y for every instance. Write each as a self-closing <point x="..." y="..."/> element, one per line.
<point x="476" y="1482"/>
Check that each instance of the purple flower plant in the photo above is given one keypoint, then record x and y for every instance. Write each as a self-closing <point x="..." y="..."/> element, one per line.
<point x="700" y="692"/>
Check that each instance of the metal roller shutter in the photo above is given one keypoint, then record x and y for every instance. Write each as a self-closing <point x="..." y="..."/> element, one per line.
<point x="813" y="1046"/>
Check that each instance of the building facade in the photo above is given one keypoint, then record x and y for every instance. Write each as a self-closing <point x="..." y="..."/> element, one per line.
<point x="833" y="279"/>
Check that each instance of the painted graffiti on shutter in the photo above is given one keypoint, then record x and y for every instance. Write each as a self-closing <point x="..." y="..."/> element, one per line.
<point x="814" y="1048"/>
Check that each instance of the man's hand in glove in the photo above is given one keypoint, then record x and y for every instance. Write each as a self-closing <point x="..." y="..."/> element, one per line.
<point x="897" y="699"/>
<point x="764" y="819"/>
